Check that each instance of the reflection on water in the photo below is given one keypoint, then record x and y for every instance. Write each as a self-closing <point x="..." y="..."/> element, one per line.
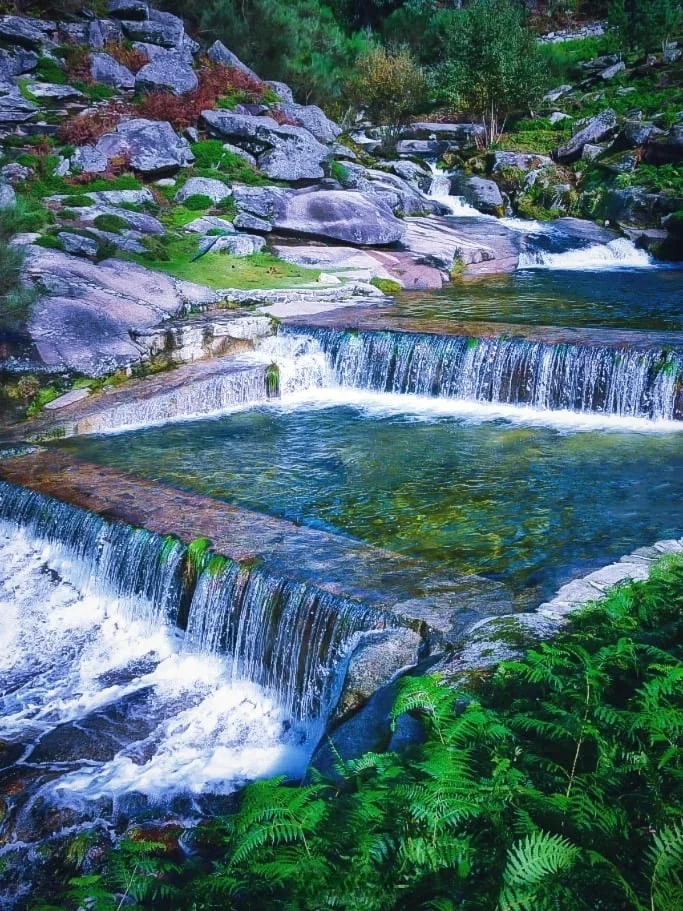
<point x="619" y="299"/>
<point x="532" y="505"/>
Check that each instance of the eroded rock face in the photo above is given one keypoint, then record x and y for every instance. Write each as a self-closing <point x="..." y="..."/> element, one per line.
<point x="600" y="127"/>
<point x="153" y="147"/>
<point x="84" y="318"/>
<point x="283" y="152"/>
<point x="108" y="71"/>
<point x="346" y="216"/>
<point x="169" y="72"/>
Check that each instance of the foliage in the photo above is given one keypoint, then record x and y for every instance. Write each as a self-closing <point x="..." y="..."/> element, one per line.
<point x="389" y="86"/>
<point x="644" y="24"/>
<point x="87" y="128"/>
<point x="493" y="64"/>
<point x="387" y="285"/>
<point x="666" y="178"/>
<point x="212" y="160"/>
<point x="124" y="53"/>
<point x="562" y="58"/>
<point x="557" y="786"/>
<point x="198" y="202"/>
<point x="112" y="223"/>
<point x="15" y="298"/>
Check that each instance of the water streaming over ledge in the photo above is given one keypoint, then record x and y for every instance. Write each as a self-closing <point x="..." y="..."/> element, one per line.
<point x="291" y="638"/>
<point x="588" y="379"/>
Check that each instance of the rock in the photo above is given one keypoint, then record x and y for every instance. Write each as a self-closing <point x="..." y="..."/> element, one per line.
<point x="16" y="62"/>
<point x="191" y="134"/>
<point x="622" y="163"/>
<point x="480" y="245"/>
<point x="88" y="159"/>
<point x="241" y="153"/>
<point x="521" y="161"/>
<point x="153" y="146"/>
<point x="247" y="222"/>
<point x="590" y="152"/>
<point x="283" y="152"/>
<point x="86" y="312"/>
<point x="613" y="70"/>
<point x="422" y="148"/>
<point x="350" y="217"/>
<point x="637" y="133"/>
<point x="117" y="197"/>
<point x="401" y="197"/>
<point x="203" y="186"/>
<point x="102" y="31"/>
<point x="128" y="9"/>
<point x="78" y="245"/>
<point x="13" y="172"/>
<point x="636" y="207"/>
<point x="671" y="54"/>
<point x="219" y="53"/>
<point x="234" y="244"/>
<point x="208" y="223"/>
<point x="57" y="92"/>
<point x="558" y="117"/>
<point x="282" y="90"/>
<point x="15" y="109"/>
<point x="167" y="72"/>
<point x="136" y="221"/>
<point x="108" y="71"/>
<point x="410" y="171"/>
<point x="482" y="194"/>
<point x="76" y="395"/>
<point x="600" y="127"/>
<point x="557" y="93"/>
<point x="313" y="119"/>
<point x="166" y="32"/>
<point x="666" y="148"/>
<point x="464" y="135"/>
<point x="156" y="52"/>
<point x="30" y="33"/>
<point x="376" y="661"/>
<point x="8" y="197"/>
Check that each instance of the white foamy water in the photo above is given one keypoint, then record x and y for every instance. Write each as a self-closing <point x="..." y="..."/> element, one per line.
<point x="75" y="671"/>
<point x="428" y="408"/>
<point x="440" y="190"/>
<point x="617" y="254"/>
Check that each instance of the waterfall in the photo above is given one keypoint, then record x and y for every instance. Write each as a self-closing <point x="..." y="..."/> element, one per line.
<point x="440" y="190"/>
<point x="243" y="384"/>
<point x="289" y="637"/>
<point x="622" y="381"/>
<point x="280" y="634"/>
<point x="617" y="254"/>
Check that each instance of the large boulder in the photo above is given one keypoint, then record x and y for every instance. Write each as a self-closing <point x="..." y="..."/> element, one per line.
<point x="401" y="197"/>
<point x="519" y="161"/>
<point x="104" y="69"/>
<point x="216" y="190"/>
<point x="219" y="53"/>
<point x="153" y="147"/>
<point x="477" y="246"/>
<point x="128" y="9"/>
<point x="480" y="193"/>
<point x="282" y="90"/>
<point x="233" y="244"/>
<point x="313" y="119"/>
<point x="283" y="152"/>
<point x="16" y="62"/>
<point x="635" y="206"/>
<point x="15" y="109"/>
<point x="30" y="33"/>
<point x="464" y="135"/>
<point x="666" y="148"/>
<point x="161" y="28"/>
<point x="601" y="127"/>
<point x="167" y="72"/>
<point x="86" y="312"/>
<point x="350" y="217"/>
<point x="88" y="159"/>
<point x="423" y="148"/>
<point x="377" y="659"/>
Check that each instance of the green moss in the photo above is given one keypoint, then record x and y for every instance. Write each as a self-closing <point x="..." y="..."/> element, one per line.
<point x="198" y="202"/>
<point x="114" y="224"/>
<point x="386" y="285"/>
<point x="272" y="381"/>
<point x="44" y="397"/>
<point x="197" y="556"/>
<point x="339" y="172"/>
<point x="50" y="242"/>
<point x="212" y="160"/>
<point x="457" y="268"/>
<point x="96" y="92"/>
<point x="48" y="70"/>
<point x="79" y="200"/>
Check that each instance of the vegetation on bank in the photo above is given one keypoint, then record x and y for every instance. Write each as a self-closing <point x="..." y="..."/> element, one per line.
<point x="554" y="784"/>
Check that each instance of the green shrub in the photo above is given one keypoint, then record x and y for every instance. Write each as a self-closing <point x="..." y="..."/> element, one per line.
<point x="198" y="202"/>
<point x="386" y="285"/>
<point x="106" y="249"/>
<point x="48" y="70"/>
<point x="50" y="242"/>
<point x="339" y="172"/>
<point x="114" y="224"/>
<point x="79" y="200"/>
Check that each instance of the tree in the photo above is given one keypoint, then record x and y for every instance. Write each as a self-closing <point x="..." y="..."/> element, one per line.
<point x="644" y="24"/>
<point x="493" y="64"/>
<point x="389" y="86"/>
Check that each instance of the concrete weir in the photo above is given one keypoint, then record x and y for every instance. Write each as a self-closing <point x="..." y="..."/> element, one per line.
<point x="404" y="593"/>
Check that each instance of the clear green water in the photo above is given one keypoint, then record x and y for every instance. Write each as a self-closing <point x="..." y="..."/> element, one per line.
<point x="619" y="299"/>
<point x="530" y="505"/>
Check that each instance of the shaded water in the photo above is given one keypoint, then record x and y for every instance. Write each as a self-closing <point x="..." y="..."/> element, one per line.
<point x="629" y="298"/>
<point x="532" y="505"/>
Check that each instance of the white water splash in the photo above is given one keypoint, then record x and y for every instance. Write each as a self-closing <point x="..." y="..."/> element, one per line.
<point x="617" y="254"/>
<point x="440" y="190"/>
<point x="71" y="663"/>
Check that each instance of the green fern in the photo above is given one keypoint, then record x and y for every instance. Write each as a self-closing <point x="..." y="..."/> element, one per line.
<point x="531" y="869"/>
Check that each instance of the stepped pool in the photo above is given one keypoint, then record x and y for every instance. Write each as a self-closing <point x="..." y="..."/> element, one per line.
<point x="470" y="491"/>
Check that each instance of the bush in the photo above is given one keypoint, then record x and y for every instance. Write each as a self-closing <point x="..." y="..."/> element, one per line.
<point x="86" y="129"/>
<point x="493" y="65"/>
<point x="15" y="299"/>
<point x="114" y="224"/>
<point x="198" y="202"/>
<point x="390" y="87"/>
<point x="644" y="24"/>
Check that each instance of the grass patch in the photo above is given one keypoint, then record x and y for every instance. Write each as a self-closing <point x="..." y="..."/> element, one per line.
<point x="386" y="285"/>
<point x="212" y="160"/>
<point x="219" y="270"/>
<point x="114" y="224"/>
<point x="563" y="58"/>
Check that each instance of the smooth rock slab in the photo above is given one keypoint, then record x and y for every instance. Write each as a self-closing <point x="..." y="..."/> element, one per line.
<point x="67" y="399"/>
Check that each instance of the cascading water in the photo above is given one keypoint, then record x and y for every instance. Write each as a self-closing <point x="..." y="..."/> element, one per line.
<point x="91" y="634"/>
<point x="620" y="381"/>
<point x="616" y="254"/>
<point x="440" y="190"/>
